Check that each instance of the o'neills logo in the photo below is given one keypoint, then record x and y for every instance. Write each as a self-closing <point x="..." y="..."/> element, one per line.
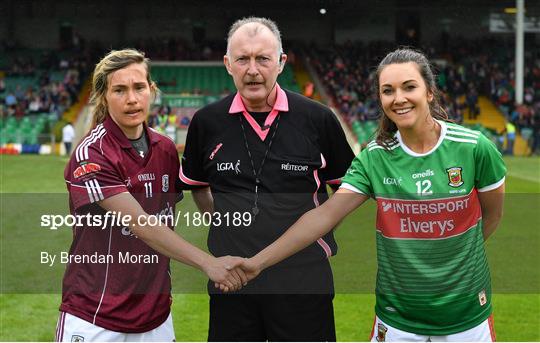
<point x="216" y="149"/>
<point x="454" y="176"/>
<point x="293" y="167"/>
<point x="146" y="177"/>
<point x="423" y="174"/>
<point x="86" y="169"/>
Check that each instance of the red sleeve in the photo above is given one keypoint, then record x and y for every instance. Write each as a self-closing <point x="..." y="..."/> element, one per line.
<point x="93" y="179"/>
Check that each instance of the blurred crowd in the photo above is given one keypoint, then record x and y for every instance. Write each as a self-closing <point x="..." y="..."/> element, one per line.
<point x="467" y="69"/>
<point x="49" y="85"/>
<point x="30" y="84"/>
<point x="163" y="117"/>
<point x="178" y="49"/>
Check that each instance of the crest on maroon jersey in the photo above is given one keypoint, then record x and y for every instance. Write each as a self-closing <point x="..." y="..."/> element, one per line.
<point x="165" y="183"/>
<point x="77" y="338"/>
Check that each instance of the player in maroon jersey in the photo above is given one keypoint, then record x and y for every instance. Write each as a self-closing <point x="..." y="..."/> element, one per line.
<point x="117" y="283"/>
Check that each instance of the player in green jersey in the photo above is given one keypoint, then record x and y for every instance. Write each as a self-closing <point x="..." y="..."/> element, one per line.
<point x="439" y="189"/>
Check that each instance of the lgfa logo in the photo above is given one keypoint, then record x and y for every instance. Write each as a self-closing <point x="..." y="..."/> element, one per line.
<point x="392" y="181"/>
<point x="225" y="166"/>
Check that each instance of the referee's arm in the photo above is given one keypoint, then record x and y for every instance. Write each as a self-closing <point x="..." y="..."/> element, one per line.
<point x="203" y="199"/>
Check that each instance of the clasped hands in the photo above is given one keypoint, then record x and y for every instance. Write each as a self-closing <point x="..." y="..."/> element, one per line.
<point x="230" y="273"/>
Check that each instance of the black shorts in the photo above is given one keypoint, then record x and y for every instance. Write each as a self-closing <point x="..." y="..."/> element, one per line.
<point x="271" y="317"/>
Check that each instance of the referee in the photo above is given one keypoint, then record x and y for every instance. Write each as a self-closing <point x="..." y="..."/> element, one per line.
<point x="266" y="154"/>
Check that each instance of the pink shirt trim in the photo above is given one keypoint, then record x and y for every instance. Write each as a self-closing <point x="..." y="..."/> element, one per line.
<point x="281" y="105"/>
<point x="189" y="181"/>
<point x="321" y="241"/>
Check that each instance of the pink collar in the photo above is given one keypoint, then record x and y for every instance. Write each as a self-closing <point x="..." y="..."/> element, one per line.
<point x="281" y="104"/>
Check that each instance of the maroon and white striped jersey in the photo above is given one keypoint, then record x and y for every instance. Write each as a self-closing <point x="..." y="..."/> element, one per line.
<point x="114" y="280"/>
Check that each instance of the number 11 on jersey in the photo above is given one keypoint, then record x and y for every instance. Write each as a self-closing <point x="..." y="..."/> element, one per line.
<point x="148" y="189"/>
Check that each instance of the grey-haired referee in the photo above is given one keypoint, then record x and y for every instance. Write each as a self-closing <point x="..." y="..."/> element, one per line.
<point x="266" y="154"/>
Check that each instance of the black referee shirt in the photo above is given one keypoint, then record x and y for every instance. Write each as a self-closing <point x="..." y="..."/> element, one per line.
<point x="308" y="150"/>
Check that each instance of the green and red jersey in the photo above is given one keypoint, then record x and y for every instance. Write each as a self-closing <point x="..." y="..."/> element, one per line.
<point x="433" y="276"/>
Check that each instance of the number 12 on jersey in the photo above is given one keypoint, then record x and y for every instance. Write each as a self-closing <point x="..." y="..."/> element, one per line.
<point x="423" y="187"/>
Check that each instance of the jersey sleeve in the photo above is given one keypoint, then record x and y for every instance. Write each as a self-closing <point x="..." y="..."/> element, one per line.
<point x="336" y="151"/>
<point x="490" y="168"/>
<point x="356" y="179"/>
<point x="191" y="172"/>
<point x="93" y="179"/>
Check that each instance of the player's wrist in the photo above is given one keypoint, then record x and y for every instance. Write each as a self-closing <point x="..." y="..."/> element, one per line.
<point x="205" y="263"/>
<point x="259" y="262"/>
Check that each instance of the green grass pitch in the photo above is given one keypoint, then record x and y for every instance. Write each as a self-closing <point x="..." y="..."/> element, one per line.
<point x="513" y="251"/>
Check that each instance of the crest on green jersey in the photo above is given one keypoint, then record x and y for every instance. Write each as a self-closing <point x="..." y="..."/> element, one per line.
<point x="381" y="332"/>
<point x="482" y="298"/>
<point x="454" y="176"/>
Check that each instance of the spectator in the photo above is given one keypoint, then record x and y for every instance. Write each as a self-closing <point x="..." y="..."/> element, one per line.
<point x="309" y="89"/>
<point x="11" y="100"/>
<point x="19" y="94"/>
<point x="472" y="102"/>
<point x="35" y="105"/>
<point x="68" y="134"/>
<point x="225" y="92"/>
<point x="510" y="131"/>
<point x="153" y="119"/>
<point x="535" y="136"/>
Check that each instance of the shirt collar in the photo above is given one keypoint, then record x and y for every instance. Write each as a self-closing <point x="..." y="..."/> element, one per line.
<point x="281" y="104"/>
<point x="121" y="138"/>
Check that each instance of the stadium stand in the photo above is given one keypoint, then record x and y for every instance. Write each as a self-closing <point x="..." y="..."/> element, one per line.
<point x="204" y="79"/>
<point x="476" y="84"/>
<point x="35" y="96"/>
<point x="187" y="87"/>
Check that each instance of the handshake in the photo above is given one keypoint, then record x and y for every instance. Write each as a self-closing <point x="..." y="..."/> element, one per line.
<point x="231" y="273"/>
